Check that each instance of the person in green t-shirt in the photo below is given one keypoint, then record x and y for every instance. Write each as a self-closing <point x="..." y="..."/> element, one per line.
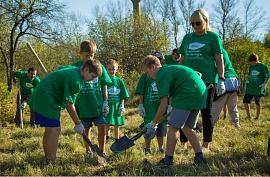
<point x="230" y="97"/>
<point x="172" y="59"/>
<point x="28" y="80"/>
<point x="93" y="93"/>
<point x="258" y="77"/>
<point x="57" y="91"/>
<point x="189" y="95"/>
<point x="117" y="93"/>
<point x="201" y="50"/>
<point x="148" y="106"/>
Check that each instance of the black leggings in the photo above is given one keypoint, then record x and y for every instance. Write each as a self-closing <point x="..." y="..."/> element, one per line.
<point x="206" y="119"/>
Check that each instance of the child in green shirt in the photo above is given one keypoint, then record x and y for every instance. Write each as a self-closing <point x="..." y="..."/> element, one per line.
<point x="258" y="77"/>
<point x="58" y="91"/>
<point x="188" y="93"/>
<point x="117" y="93"/>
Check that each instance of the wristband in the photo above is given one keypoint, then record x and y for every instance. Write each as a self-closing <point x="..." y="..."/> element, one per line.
<point x="221" y="78"/>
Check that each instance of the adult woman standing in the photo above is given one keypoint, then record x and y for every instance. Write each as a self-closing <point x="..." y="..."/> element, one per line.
<point x="201" y="50"/>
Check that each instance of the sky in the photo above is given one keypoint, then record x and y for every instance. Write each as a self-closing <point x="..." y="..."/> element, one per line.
<point x="83" y="7"/>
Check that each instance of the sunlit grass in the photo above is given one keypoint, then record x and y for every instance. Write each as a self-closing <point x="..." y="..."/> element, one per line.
<point x="234" y="152"/>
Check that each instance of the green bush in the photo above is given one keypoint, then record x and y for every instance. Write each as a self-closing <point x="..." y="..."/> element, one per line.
<point x="7" y="103"/>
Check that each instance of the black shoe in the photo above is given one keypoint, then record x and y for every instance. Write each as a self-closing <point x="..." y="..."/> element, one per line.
<point x="199" y="160"/>
<point x="147" y="151"/>
<point x="166" y="163"/>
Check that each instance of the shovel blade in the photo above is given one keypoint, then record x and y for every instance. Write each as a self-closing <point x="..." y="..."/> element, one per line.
<point x="122" y="144"/>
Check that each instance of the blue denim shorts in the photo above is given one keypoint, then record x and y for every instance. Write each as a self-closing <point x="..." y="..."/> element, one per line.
<point x="46" y="122"/>
<point x="89" y="122"/>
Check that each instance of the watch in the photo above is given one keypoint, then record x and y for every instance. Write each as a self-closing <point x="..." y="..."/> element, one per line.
<point x="221" y="78"/>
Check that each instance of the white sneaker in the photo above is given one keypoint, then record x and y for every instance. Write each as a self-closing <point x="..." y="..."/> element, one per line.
<point x="205" y="150"/>
<point x="237" y="125"/>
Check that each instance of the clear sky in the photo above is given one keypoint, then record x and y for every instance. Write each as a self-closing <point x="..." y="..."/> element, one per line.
<point x="83" y="7"/>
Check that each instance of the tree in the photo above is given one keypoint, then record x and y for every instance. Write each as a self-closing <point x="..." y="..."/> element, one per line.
<point x="26" y="18"/>
<point x="226" y="21"/>
<point x="253" y="17"/>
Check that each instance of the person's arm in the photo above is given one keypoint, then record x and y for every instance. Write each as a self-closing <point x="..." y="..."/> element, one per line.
<point x="141" y="99"/>
<point x="220" y="64"/>
<point x="105" y="92"/>
<point x="182" y="60"/>
<point x="161" y="109"/>
<point x="73" y="114"/>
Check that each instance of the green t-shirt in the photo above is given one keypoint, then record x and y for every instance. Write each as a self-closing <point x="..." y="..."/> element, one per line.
<point x="147" y="87"/>
<point x="117" y="91"/>
<point x="200" y="51"/>
<point x="228" y="68"/>
<point x="169" y="61"/>
<point x="90" y="99"/>
<point x="185" y="87"/>
<point x="27" y="85"/>
<point x="256" y="76"/>
<point x="55" y="90"/>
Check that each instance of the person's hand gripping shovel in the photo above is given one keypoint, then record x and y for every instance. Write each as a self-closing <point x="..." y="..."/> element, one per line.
<point x="125" y="142"/>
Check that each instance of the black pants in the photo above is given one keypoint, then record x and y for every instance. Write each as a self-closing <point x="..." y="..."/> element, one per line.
<point x="206" y="119"/>
<point x="17" y="120"/>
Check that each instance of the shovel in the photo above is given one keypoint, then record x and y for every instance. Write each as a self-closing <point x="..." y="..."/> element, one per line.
<point x="93" y="147"/>
<point x="98" y="157"/>
<point x="125" y="142"/>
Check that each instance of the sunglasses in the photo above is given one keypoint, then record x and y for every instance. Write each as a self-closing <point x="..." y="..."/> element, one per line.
<point x="196" y="23"/>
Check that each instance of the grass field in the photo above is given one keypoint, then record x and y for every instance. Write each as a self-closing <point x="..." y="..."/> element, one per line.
<point x="234" y="152"/>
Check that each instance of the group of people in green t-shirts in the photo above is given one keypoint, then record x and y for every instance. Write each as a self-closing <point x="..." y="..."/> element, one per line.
<point x="196" y="77"/>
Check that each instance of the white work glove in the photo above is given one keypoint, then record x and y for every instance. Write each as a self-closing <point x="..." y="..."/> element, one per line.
<point x="24" y="103"/>
<point x="151" y="127"/>
<point x="220" y="89"/>
<point x="121" y="110"/>
<point x="17" y="84"/>
<point x="263" y="86"/>
<point x="141" y="110"/>
<point x="105" y="108"/>
<point x="169" y="109"/>
<point x="79" y="128"/>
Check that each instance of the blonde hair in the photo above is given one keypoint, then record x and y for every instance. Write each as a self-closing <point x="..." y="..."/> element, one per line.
<point x="112" y="62"/>
<point x="201" y="15"/>
<point x="151" y="60"/>
<point x="88" y="46"/>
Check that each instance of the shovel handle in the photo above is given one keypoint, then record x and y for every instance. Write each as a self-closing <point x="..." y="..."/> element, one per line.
<point x="94" y="148"/>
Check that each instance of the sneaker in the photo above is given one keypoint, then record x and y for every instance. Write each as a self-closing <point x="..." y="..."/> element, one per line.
<point x="147" y="151"/>
<point x="237" y="125"/>
<point x="166" y="162"/>
<point x="162" y="151"/>
<point x="205" y="150"/>
<point x="199" y="160"/>
<point x="89" y="154"/>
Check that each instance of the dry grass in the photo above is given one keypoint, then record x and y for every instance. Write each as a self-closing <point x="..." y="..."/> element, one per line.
<point x="234" y="152"/>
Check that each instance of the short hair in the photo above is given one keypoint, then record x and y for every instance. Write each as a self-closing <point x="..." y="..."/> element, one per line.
<point x="200" y="15"/>
<point x="94" y="66"/>
<point x="31" y="69"/>
<point x="175" y="51"/>
<point x="112" y="62"/>
<point x="151" y="60"/>
<point x="88" y="46"/>
<point x="253" y="57"/>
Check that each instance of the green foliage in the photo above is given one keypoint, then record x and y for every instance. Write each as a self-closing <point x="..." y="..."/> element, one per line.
<point x="7" y="101"/>
<point x="239" y="51"/>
